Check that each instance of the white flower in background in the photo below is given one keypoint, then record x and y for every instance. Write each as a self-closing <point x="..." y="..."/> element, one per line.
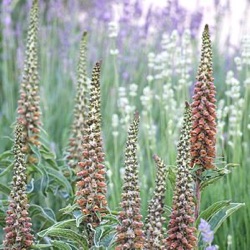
<point x="235" y="112"/>
<point x="122" y="91"/>
<point x="133" y="89"/>
<point x="238" y="63"/>
<point x="221" y="116"/>
<point x="113" y="29"/>
<point x="246" y="50"/>
<point x="123" y="102"/>
<point x="115" y="133"/>
<point x="151" y="59"/>
<point x="152" y="131"/>
<point x="247" y="82"/>
<point x="115" y="120"/>
<point x="114" y="52"/>
<point x="150" y="78"/>
<point x="165" y="41"/>
<point x="146" y="98"/>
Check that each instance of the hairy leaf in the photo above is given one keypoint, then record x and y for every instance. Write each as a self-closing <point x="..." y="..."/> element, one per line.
<point x="223" y="214"/>
<point x="66" y="234"/>
<point x="212" y="210"/>
<point x="4" y="189"/>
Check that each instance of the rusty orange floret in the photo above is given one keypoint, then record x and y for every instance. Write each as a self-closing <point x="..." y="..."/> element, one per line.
<point x="203" y="134"/>
<point x="18" y="223"/>
<point x="80" y="110"/>
<point x="181" y="231"/>
<point x="29" y="103"/>
<point x="130" y="234"/>
<point x="91" y="185"/>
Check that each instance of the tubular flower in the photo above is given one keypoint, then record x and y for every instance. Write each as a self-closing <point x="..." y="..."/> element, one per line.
<point x="130" y="234"/>
<point x="181" y="233"/>
<point x="28" y="105"/>
<point x="91" y="194"/>
<point x="18" y="222"/>
<point x="203" y="134"/>
<point x="155" y="220"/>
<point x="80" y="110"/>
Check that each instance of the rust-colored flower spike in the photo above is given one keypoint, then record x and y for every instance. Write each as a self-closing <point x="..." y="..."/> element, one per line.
<point x="18" y="223"/>
<point x="181" y="232"/>
<point x="203" y="134"/>
<point x="129" y="232"/>
<point x="80" y="110"/>
<point x="29" y="103"/>
<point x="92" y="189"/>
<point x="154" y="222"/>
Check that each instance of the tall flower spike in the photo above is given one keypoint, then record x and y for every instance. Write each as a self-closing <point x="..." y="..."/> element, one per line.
<point x="130" y="234"/>
<point x="181" y="233"/>
<point x="18" y="223"/>
<point x="203" y="134"/>
<point x="80" y="110"/>
<point x="29" y="103"/>
<point x="92" y="189"/>
<point x="154" y="222"/>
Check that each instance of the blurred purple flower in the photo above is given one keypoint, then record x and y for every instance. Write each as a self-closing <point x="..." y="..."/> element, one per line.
<point x="6" y="18"/>
<point x="195" y="23"/>
<point x="103" y="10"/>
<point x="206" y="232"/>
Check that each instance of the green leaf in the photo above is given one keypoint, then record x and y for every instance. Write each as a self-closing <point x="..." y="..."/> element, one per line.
<point x="223" y="214"/>
<point x="212" y="210"/>
<point x="79" y="217"/>
<point x="30" y="186"/>
<point x="98" y="235"/>
<point x="45" y="213"/>
<point x="65" y="224"/>
<point x="59" y="178"/>
<point x="6" y="154"/>
<point x="211" y="176"/>
<point x="4" y="203"/>
<point x="107" y="240"/>
<point x="4" y="189"/>
<point x="6" y="170"/>
<point x="2" y="217"/>
<point x="60" y="245"/>
<point x="46" y="153"/>
<point x="41" y="246"/>
<point x="69" y="209"/>
<point x="210" y="180"/>
<point x="67" y="234"/>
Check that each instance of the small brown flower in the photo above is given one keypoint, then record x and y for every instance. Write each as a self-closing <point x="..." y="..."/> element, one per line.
<point x="203" y="110"/>
<point x="181" y="233"/>
<point x="28" y="105"/>
<point x="130" y="234"/>
<point x="18" y="226"/>
<point x="80" y="110"/>
<point x="91" y="184"/>
<point x="154" y="232"/>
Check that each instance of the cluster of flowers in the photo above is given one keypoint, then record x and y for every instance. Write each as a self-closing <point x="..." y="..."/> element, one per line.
<point x="196" y="146"/>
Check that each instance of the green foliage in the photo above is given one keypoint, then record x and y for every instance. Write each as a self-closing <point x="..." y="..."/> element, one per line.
<point x="51" y="182"/>
<point x="66" y="234"/>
